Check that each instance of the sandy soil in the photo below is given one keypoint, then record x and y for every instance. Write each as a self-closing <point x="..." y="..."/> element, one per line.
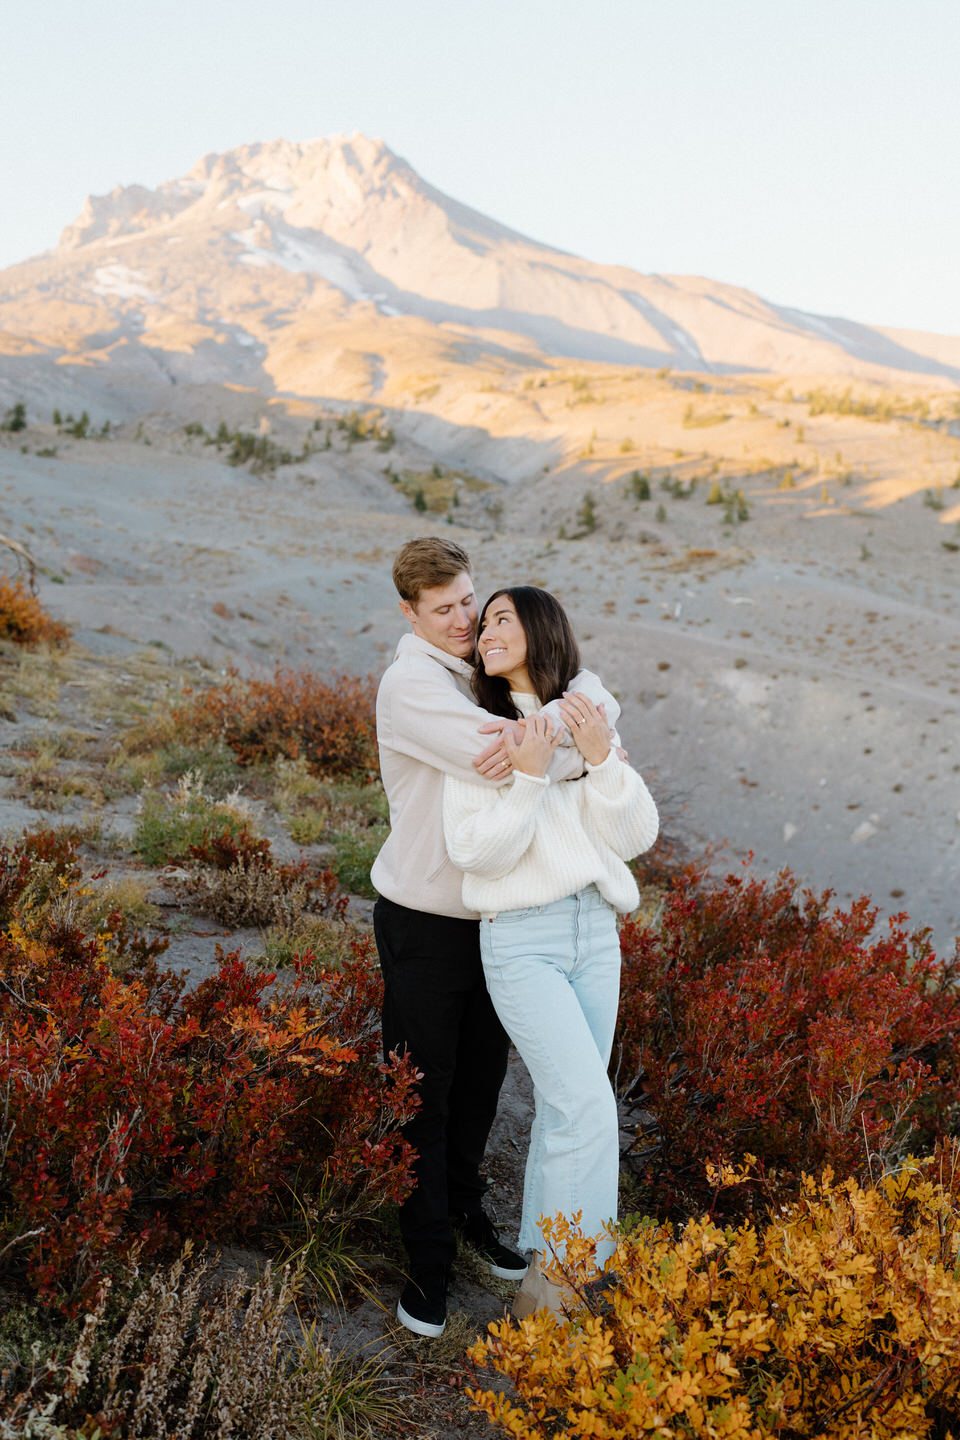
<point x="790" y="684"/>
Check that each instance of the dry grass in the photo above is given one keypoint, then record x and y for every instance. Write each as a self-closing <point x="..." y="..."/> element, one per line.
<point x="32" y="679"/>
<point x="247" y="894"/>
<point x="200" y="1361"/>
<point x="446" y="1351"/>
<point x="340" y="813"/>
<point x="128" y="895"/>
<point x="331" y="940"/>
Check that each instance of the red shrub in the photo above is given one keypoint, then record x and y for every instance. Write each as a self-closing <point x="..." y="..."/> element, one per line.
<point x="23" y="619"/>
<point x="224" y="851"/>
<point x="19" y="867"/>
<point x="331" y="724"/>
<point x="240" y="883"/>
<point x="135" y="1112"/>
<point x="756" y="1020"/>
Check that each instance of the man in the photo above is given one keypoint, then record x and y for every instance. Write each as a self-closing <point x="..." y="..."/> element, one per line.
<point x="436" y="1005"/>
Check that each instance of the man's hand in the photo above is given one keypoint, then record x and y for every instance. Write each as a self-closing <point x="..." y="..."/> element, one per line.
<point x="494" y="762"/>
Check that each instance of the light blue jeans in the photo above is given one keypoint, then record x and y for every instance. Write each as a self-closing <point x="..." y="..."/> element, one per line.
<point x="553" y="973"/>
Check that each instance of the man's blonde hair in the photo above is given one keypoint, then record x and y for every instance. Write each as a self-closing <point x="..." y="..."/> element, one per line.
<point x="427" y="563"/>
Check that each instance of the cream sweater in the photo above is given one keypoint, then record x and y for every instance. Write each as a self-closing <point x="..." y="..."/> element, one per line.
<point x="532" y="841"/>
<point x="427" y="724"/>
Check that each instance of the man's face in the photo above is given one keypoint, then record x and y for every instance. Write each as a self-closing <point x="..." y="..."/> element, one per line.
<point x="446" y="616"/>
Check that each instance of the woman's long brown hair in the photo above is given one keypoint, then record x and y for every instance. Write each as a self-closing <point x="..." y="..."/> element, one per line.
<point x="553" y="658"/>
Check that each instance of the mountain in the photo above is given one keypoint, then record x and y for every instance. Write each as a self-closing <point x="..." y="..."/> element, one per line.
<point x="330" y="268"/>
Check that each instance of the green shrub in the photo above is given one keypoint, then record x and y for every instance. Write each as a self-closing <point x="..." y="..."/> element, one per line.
<point x="215" y="765"/>
<point x="315" y="809"/>
<point x="587" y="514"/>
<point x="309" y="826"/>
<point x="168" y="825"/>
<point x="355" y="850"/>
<point x="257" y="452"/>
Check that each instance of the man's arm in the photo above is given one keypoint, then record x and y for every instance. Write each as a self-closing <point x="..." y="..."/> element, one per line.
<point x="423" y="713"/>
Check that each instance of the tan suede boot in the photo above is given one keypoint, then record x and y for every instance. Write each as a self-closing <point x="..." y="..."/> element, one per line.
<point x="525" y="1300"/>
<point x="538" y="1293"/>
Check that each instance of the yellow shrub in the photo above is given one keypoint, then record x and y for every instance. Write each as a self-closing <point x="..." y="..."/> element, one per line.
<point x="838" y="1319"/>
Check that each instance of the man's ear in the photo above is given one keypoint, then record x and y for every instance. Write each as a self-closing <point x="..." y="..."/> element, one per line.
<point x="407" y="611"/>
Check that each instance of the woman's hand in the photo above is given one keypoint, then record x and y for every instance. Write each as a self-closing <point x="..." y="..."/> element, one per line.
<point x="533" y="753"/>
<point x="588" y="726"/>
<point x="494" y="762"/>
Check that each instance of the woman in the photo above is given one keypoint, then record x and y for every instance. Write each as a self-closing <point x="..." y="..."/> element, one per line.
<point x="544" y="867"/>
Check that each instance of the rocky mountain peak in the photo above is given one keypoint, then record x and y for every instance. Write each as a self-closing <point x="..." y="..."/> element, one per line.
<point x="206" y="259"/>
<point x="336" y="177"/>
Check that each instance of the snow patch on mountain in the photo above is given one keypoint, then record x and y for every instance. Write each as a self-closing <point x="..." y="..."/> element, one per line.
<point x="277" y="199"/>
<point x="121" y="281"/>
<point x="264" y="246"/>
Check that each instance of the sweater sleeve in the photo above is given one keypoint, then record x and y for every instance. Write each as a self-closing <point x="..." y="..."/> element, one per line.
<point x="487" y="832"/>
<point x="425" y="716"/>
<point x="618" y="809"/>
<point x="590" y="685"/>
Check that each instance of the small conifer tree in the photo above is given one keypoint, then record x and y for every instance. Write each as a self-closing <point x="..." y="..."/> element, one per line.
<point x="640" y="485"/>
<point x="587" y="514"/>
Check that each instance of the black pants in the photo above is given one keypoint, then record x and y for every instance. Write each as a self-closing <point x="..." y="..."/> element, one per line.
<point x="436" y="1008"/>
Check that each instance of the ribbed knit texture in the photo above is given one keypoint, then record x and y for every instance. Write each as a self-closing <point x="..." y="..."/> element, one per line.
<point x="535" y="841"/>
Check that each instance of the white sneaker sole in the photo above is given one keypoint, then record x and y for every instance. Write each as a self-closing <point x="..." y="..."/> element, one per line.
<point x="502" y="1273"/>
<point x="419" y="1327"/>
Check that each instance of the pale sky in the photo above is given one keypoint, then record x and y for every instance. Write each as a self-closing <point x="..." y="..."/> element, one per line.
<point x="807" y="149"/>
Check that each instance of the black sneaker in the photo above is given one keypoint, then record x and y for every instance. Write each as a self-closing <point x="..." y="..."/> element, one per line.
<point x="422" y="1306"/>
<point x="478" y="1231"/>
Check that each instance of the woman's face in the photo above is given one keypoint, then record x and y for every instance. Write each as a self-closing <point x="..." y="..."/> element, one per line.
<point x="503" y="644"/>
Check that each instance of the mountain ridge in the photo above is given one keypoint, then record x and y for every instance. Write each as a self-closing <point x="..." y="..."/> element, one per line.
<point x="284" y="249"/>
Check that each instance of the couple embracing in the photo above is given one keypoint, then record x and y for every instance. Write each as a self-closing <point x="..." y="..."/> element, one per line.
<point x="499" y="886"/>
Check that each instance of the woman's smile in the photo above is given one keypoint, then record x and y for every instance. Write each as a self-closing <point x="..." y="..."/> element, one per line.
<point x="503" y="644"/>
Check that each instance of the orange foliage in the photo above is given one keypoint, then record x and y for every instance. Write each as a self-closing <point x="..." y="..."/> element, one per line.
<point x="23" y="619"/>
<point x="331" y="724"/>
<point x="839" y="1319"/>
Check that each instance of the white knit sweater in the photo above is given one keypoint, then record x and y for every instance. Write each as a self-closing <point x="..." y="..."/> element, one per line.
<point x="533" y="842"/>
<point x="427" y="727"/>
